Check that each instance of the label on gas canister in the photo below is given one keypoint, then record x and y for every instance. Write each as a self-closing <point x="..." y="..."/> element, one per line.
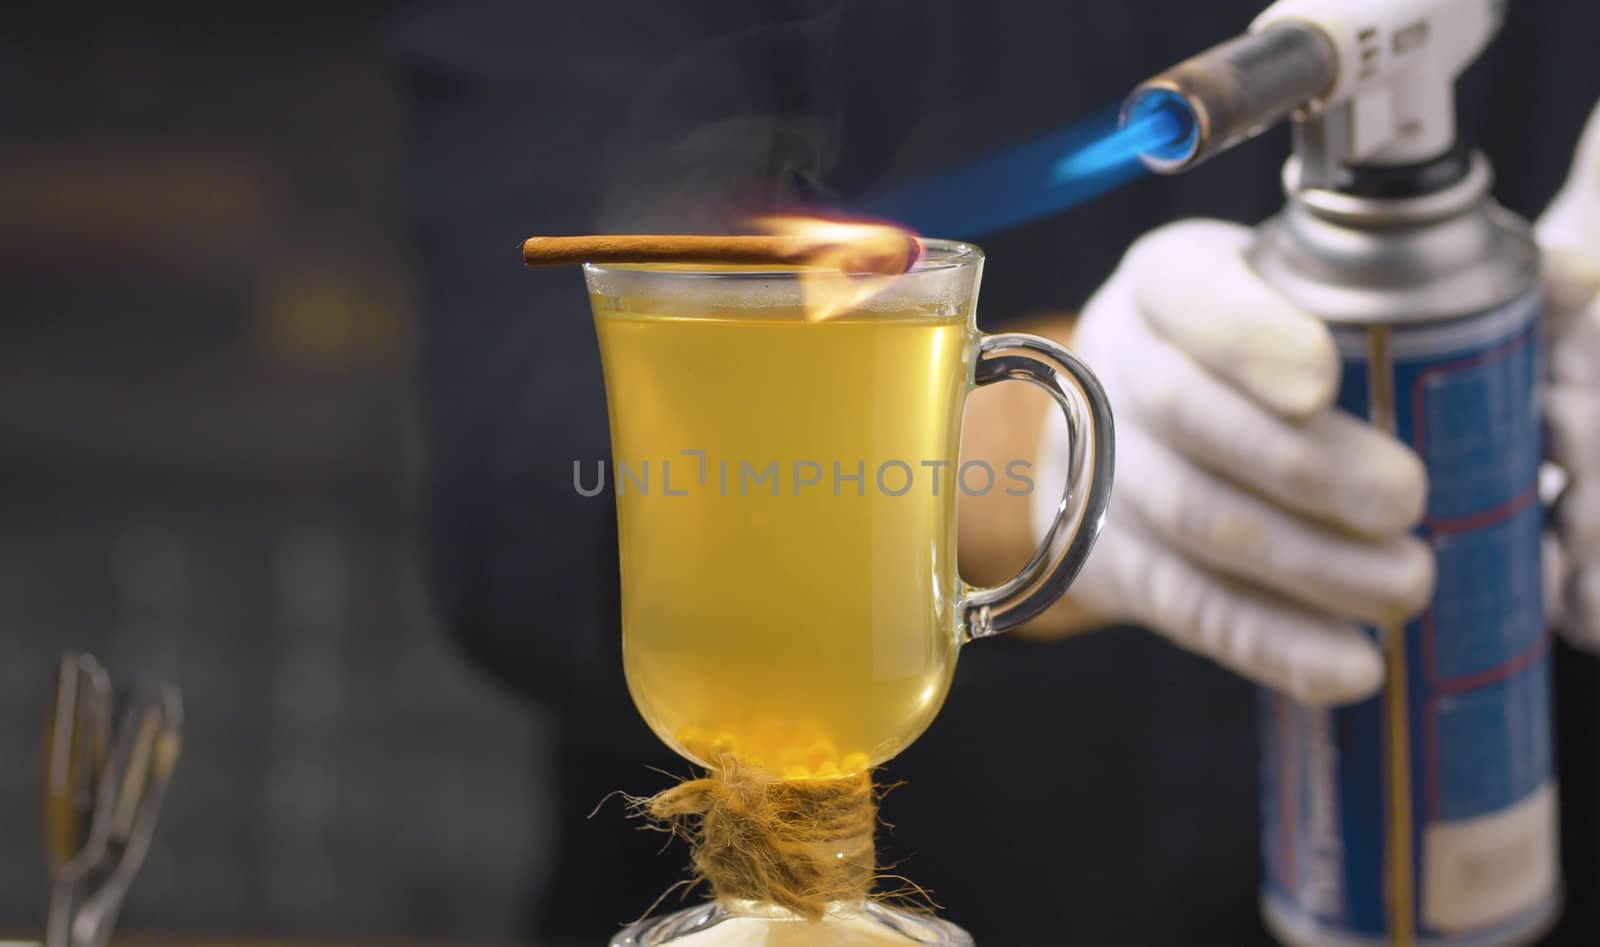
<point x="1481" y="786"/>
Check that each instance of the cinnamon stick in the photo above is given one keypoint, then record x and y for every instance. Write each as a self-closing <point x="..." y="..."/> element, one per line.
<point x="884" y="255"/>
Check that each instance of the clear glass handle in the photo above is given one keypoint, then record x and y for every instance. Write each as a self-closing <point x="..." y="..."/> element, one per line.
<point x="1082" y="508"/>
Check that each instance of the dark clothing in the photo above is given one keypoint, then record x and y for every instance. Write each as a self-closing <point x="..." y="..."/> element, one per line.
<point x="1096" y="791"/>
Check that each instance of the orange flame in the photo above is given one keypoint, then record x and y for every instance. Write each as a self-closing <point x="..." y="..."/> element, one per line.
<point x="844" y="263"/>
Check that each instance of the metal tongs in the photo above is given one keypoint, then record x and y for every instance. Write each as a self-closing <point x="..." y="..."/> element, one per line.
<point x="103" y="789"/>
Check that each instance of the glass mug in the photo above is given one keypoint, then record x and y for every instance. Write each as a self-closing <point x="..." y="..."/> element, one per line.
<point x="786" y="491"/>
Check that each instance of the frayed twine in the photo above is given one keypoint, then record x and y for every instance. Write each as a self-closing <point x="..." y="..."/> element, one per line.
<point x="802" y="845"/>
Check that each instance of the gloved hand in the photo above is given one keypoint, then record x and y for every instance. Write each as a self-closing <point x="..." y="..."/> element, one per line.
<point x="1570" y="234"/>
<point x="1251" y="521"/>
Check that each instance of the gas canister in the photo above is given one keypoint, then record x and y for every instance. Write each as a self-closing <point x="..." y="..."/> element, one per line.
<point x="1427" y="814"/>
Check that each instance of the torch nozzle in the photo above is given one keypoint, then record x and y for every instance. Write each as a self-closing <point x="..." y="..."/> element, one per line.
<point x="1161" y="126"/>
<point x="1167" y="124"/>
<point x="1230" y="93"/>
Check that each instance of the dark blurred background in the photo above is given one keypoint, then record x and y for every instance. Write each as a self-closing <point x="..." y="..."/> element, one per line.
<point x="207" y="475"/>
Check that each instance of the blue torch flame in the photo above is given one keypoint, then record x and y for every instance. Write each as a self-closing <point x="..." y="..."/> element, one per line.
<point x="1041" y="177"/>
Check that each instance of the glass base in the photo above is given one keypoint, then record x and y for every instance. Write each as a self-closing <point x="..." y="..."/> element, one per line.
<point x="757" y="925"/>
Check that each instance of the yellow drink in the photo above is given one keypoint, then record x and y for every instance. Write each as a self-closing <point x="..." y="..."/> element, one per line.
<point x="773" y="605"/>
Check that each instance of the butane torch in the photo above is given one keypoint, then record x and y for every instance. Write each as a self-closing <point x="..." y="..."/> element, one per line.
<point x="1426" y="815"/>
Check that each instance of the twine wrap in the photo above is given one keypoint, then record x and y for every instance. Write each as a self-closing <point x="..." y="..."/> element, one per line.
<point x="797" y="844"/>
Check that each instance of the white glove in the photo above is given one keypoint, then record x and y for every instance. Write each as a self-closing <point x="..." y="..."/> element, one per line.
<point x="1570" y="234"/>
<point x="1250" y="521"/>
